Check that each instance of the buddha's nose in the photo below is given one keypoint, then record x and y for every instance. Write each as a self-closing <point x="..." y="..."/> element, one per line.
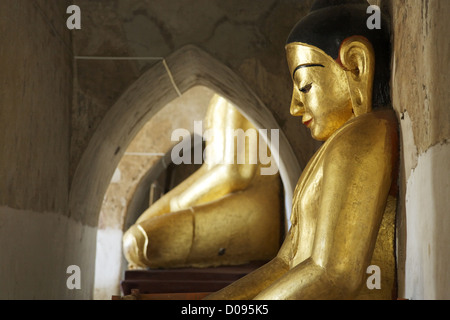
<point x="297" y="108"/>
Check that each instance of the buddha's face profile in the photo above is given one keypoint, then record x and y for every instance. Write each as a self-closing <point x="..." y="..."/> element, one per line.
<point x="321" y="93"/>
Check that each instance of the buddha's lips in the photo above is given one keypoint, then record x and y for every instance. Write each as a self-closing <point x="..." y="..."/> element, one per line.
<point x="307" y="123"/>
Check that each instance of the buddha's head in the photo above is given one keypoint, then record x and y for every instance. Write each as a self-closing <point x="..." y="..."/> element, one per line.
<point x="340" y="68"/>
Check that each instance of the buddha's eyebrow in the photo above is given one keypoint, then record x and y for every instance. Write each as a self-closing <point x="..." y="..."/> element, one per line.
<point x="307" y="65"/>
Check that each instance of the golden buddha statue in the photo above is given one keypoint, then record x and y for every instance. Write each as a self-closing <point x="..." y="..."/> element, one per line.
<point x="226" y="213"/>
<point x="343" y="213"/>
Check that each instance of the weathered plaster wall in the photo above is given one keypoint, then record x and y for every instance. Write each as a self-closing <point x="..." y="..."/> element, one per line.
<point x="38" y="240"/>
<point x="421" y="97"/>
<point x="35" y="95"/>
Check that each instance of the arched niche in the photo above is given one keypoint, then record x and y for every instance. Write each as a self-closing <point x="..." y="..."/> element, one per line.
<point x="189" y="66"/>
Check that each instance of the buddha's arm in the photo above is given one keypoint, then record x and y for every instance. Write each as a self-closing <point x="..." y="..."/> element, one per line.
<point x="162" y="205"/>
<point x="221" y="178"/>
<point x="202" y="186"/>
<point x="356" y="183"/>
<point x="252" y="284"/>
<point x="214" y="184"/>
<point x="213" y="180"/>
<point x="306" y="281"/>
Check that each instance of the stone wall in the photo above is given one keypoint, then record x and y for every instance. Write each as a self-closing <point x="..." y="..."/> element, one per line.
<point x="38" y="240"/>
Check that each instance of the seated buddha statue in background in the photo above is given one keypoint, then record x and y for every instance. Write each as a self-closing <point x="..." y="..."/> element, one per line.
<point x="228" y="212"/>
<point x="343" y="213"/>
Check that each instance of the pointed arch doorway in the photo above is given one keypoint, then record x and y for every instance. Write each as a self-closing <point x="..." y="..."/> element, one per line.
<point x="189" y="67"/>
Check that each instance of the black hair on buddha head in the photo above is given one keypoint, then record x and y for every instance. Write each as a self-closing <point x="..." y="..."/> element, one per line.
<point x="330" y="22"/>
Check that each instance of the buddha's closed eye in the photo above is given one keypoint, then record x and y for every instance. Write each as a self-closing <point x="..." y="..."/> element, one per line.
<point x="306" y="88"/>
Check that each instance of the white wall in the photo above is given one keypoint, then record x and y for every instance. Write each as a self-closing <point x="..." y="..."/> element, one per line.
<point x="428" y="217"/>
<point x="108" y="266"/>
<point x="36" y="249"/>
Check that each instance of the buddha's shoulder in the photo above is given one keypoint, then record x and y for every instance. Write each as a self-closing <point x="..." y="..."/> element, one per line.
<point x="372" y="132"/>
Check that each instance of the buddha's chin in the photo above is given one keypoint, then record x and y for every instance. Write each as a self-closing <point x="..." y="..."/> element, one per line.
<point x="318" y="135"/>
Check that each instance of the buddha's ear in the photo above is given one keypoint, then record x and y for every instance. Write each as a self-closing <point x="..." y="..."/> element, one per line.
<point x="358" y="59"/>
